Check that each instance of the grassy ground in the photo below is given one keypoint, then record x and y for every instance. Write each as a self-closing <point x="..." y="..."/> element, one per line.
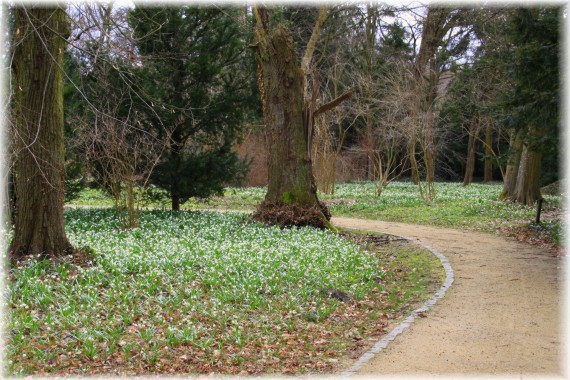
<point x="473" y="207"/>
<point x="203" y="292"/>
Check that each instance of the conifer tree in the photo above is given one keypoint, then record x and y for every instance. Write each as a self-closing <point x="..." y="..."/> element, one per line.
<point x="532" y="102"/>
<point x="196" y="77"/>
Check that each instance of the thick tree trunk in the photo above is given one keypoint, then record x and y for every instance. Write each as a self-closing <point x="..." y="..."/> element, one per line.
<point x="513" y="164"/>
<point x="291" y="197"/>
<point x="39" y="43"/>
<point x="527" y="190"/>
<point x="471" y="151"/>
<point x="488" y="170"/>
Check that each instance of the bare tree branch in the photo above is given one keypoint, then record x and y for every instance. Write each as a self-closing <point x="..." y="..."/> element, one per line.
<point x="312" y="43"/>
<point x="332" y="104"/>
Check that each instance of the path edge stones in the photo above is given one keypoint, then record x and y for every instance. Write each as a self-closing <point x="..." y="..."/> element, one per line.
<point x="402" y="326"/>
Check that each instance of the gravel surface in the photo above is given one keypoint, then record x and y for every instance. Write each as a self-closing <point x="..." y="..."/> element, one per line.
<point x="502" y="315"/>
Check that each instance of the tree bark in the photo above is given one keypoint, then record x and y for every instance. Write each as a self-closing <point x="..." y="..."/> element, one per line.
<point x="175" y="153"/>
<point x="40" y="35"/>
<point x="527" y="190"/>
<point x="372" y="16"/>
<point x="175" y="200"/>
<point x="310" y="48"/>
<point x="291" y="197"/>
<point x="511" y="173"/>
<point x="488" y="169"/>
<point x="471" y="150"/>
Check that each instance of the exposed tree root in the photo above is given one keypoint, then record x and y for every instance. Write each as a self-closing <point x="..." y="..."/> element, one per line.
<point x="83" y="257"/>
<point x="288" y="215"/>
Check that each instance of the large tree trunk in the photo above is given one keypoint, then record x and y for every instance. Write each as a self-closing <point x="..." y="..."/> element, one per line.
<point x="471" y="151"/>
<point x="39" y="43"/>
<point x="510" y="181"/>
<point x="291" y="197"/>
<point x="527" y="190"/>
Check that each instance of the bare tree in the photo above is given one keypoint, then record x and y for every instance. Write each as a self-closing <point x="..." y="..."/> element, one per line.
<point x="443" y="30"/>
<point x="329" y="133"/>
<point x="386" y="103"/>
<point x="330" y="129"/>
<point x="122" y="157"/>
<point x="112" y="137"/>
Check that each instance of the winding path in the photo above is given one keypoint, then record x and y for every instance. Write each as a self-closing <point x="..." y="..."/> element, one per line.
<point x="502" y="316"/>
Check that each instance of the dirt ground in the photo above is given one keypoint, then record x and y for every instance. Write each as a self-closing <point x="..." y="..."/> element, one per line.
<point x="502" y="315"/>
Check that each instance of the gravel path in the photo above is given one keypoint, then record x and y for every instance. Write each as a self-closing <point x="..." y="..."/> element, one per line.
<point x="500" y="317"/>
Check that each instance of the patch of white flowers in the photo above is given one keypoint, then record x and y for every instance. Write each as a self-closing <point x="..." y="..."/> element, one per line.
<point x="208" y="263"/>
<point x="223" y="252"/>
